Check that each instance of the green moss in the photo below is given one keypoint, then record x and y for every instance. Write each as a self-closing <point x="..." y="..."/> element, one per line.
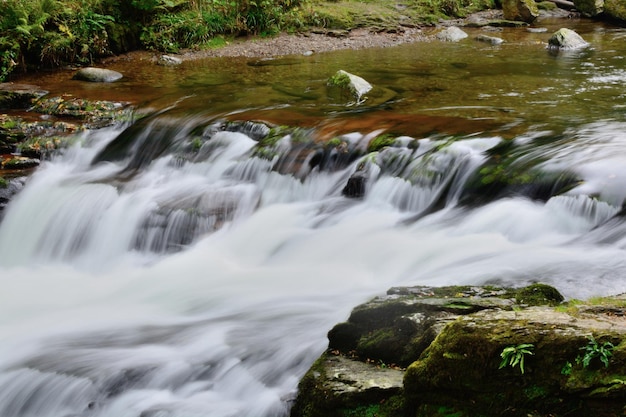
<point x="340" y="79"/>
<point x="3" y="183"/>
<point x="392" y="407"/>
<point x="546" y="5"/>
<point x="539" y="294"/>
<point x="380" y="142"/>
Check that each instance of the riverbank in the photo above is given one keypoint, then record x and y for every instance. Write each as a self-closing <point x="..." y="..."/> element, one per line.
<point x="326" y="40"/>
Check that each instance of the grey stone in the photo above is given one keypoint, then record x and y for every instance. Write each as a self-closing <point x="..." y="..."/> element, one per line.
<point x="97" y="75"/>
<point x="451" y="34"/>
<point x="566" y="39"/>
<point x="489" y="39"/>
<point x="168" y="60"/>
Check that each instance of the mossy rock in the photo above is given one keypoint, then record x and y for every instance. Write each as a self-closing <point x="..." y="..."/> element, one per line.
<point x="539" y="294"/>
<point x="92" y="113"/>
<point x="336" y="386"/>
<point x="380" y="142"/>
<point x="464" y="362"/>
<point x="615" y="9"/>
<point x="19" y="96"/>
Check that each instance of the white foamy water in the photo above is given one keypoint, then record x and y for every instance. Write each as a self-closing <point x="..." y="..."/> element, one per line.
<point x="110" y="308"/>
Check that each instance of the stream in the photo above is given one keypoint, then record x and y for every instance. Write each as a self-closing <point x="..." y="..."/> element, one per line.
<point x="166" y="268"/>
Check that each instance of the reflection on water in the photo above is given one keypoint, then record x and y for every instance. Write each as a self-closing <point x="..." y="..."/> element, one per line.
<point x="516" y="82"/>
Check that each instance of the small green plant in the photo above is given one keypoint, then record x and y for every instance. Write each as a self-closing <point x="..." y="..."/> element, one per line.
<point x="593" y="350"/>
<point x="567" y="368"/>
<point x="515" y="355"/>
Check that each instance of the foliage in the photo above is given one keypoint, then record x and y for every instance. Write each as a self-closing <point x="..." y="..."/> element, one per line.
<point x="593" y="349"/>
<point x="515" y="355"/>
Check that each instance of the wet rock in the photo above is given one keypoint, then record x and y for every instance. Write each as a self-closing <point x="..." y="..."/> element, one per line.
<point x="566" y="39"/>
<point x="8" y="189"/>
<point x="97" y="75"/>
<point x="19" y="163"/>
<point x="451" y="34"/>
<point x="466" y="362"/>
<point x="455" y="339"/>
<point x="168" y="60"/>
<point x="356" y="86"/>
<point x="19" y="96"/>
<point x="355" y="187"/>
<point x="589" y="8"/>
<point x="615" y="9"/>
<point x="522" y="10"/>
<point x="489" y="39"/>
<point x="92" y="113"/>
<point x="335" y="384"/>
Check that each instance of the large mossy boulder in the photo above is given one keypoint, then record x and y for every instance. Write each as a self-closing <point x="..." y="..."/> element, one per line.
<point x="522" y="10"/>
<point x="589" y="8"/>
<point x="615" y="9"/>
<point x="467" y="361"/>
<point x="472" y="351"/>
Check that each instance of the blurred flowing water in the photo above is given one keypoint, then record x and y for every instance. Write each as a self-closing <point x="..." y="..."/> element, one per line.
<point x="141" y="279"/>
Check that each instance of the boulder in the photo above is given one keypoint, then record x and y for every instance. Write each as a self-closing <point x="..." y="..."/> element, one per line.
<point x="97" y="75"/>
<point x="523" y="10"/>
<point x="356" y="86"/>
<point x="451" y="34"/>
<point x="566" y="39"/>
<point x="469" y="351"/>
<point x="615" y="9"/>
<point x="589" y="8"/>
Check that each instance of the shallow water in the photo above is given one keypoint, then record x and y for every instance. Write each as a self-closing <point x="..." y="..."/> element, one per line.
<point x="134" y="292"/>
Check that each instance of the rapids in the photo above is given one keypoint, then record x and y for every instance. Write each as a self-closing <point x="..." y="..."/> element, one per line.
<point x="138" y="281"/>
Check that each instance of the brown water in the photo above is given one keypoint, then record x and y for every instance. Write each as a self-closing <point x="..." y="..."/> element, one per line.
<point x="421" y="88"/>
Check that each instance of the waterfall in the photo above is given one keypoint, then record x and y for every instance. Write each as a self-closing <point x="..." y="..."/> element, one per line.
<point x="199" y="277"/>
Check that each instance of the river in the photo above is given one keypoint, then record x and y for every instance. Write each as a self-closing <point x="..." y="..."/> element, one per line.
<point x="168" y="286"/>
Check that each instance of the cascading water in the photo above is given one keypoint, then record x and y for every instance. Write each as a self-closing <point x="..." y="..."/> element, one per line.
<point x="178" y="267"/>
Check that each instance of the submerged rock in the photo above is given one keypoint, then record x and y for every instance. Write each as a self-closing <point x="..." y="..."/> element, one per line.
<point x="19" y="96"/>
<point x="451" y="34"/>
<point x="523" y="10"/>
<point x="489" y="39"/>
<point x="472" y="351"/>
<point x="97" y="75"/>
<point x="566" y="39"/>
<point x="168" y="60"/>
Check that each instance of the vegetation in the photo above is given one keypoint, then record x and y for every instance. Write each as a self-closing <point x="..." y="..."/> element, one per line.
<point x="514" y="355"/>
<point x="593" y="350"/>
<point x="49" y="33"/>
